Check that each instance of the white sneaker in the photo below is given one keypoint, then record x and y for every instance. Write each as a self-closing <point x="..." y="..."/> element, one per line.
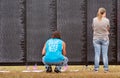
<point x="106" y="71"/>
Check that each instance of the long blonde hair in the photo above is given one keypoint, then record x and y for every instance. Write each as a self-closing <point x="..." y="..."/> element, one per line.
<point x="100" y="13"/>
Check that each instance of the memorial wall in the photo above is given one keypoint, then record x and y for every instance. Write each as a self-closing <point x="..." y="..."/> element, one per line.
<point x="25" y="25"/>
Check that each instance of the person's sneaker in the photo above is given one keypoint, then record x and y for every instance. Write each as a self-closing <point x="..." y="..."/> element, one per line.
<point x="106" y="71"/>
<point x="96" y="71"/>
<point x="56" y="70"/>
<point x="65" y="67"/>
<point x="49" y="69"/>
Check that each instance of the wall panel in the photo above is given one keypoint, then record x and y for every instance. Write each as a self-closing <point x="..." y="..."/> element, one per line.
<point x="118" y="31"/>
<point x="71" y="18"/>
<point x="40" y="24"/>
<point x="11" y="31"/>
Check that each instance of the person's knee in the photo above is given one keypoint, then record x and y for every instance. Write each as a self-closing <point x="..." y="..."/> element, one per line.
<point x="66" y="59"/>
<point x="43" y="59"/>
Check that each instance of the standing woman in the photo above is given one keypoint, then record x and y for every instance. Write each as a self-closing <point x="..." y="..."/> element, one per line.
<point x="101" y="27"/>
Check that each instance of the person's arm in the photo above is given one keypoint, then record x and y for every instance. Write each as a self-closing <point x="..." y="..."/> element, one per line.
<point x="108" y="28"/>
<point x="93" y="24"/>
<point x="64" y="49"/>
<point x="43" y="50"/>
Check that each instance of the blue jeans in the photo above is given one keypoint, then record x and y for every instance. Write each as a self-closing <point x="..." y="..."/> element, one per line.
<point x="101" y="46"/>
<point x="58" y="64"/>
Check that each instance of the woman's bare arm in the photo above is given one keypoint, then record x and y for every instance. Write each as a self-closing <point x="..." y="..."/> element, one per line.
<point x="43" y="50"/>
<point x="64" y="49"/>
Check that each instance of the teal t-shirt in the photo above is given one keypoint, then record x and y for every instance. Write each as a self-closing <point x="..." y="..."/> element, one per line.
<point x="54" y="50"/>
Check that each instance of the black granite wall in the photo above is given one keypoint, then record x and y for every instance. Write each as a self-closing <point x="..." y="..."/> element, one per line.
<point x="25" y="25"/>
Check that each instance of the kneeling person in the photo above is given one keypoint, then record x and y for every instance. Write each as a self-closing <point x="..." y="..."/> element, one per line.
<point x="54" y="53"/>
